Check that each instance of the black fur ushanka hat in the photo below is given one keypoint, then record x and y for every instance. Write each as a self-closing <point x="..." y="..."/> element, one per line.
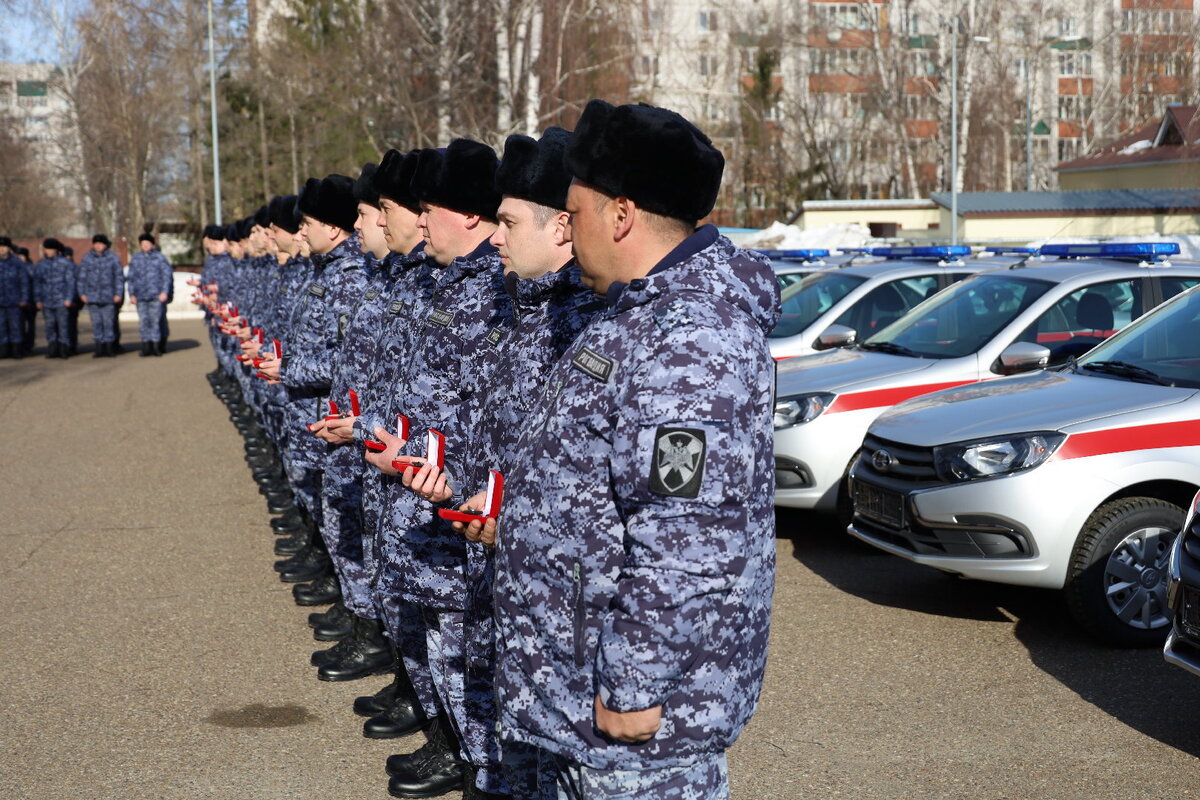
<point x="462" y="178"/>
<point x="393" y="179"/>
<point x="283" y="213"/>
<point x="364" y="187"/>
<point x="534" y="170"/>
<point x="651" y="155"/>
<point x="329" y="200"/>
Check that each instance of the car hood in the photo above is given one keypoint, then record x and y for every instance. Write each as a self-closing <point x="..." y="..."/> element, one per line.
<point x="1042" y="401"/>
<point x="843" y="369"/>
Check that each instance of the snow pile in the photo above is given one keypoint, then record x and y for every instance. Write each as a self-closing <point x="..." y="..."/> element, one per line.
<point x="792" y="237"/>
<point x="1137" y="147"/>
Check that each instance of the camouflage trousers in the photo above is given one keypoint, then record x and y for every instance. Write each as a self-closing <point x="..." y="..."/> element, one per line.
<point x="10" y="324"/>
<point x="58" y="323"/>
<point x="150" y="315"/>
<point x="341" y="496"/>
<point x="104" y="321"/>
<point x="562" y="779"/>
<point x="406" y="629"/>
<point x="468" y="695"/>
<point x="306" y="486"/>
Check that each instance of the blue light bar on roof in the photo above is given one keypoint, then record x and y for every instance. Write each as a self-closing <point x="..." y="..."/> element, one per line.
<point x="1112" y="250"/>
<point x="794" y="255"/>
<point x="1011" y="251"/>
<point x="924" y="251"/>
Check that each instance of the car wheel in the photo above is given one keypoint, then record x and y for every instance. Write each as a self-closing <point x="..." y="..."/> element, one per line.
<point x="1116" y="584"/>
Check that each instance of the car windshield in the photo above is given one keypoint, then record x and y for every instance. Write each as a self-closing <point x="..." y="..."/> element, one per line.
<point x="1161" y="347"/>
<point x="961" y="319"/>
<point x="803" y="303"/>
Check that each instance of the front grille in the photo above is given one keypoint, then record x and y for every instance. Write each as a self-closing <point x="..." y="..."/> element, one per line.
<point x="908" y="464"/>
<point x="984" y="538"/>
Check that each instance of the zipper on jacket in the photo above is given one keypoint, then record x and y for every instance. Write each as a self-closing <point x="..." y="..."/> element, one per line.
<point x="579" y="620"/>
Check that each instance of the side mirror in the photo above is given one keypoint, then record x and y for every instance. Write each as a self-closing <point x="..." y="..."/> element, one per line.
<point x="838" y="336"/>
<point x="1021" y="357"/>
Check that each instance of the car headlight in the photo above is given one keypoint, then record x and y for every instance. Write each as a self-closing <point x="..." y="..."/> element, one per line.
<point x="801" y="408"/>
<point x="968" y="461"/>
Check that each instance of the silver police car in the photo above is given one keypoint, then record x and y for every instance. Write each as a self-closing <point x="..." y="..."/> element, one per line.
<point x="1074" y="478"/>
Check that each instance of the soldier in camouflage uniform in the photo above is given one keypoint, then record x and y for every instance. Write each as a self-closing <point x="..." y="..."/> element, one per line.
<point x="102" y="287"/>
<point x="149" y="280"/>
<point x="317" y="329"/>
<point x="551" y="305"/>
<point x="54" y="291"/>
<point x="422" y="561"/>
<point x="14" y="296"/>
<point x="635" y="558"/>
<point x="341" y="494"/>
<point x="395" y="710"/>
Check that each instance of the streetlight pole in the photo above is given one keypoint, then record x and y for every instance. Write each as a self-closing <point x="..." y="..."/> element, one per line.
<point x="212" y="98"/>
<point x="1028" y="124"/>
<point x="954" y="132"/>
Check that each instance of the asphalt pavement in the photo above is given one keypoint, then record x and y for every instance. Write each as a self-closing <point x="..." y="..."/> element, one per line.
<point x="149" y="651"/>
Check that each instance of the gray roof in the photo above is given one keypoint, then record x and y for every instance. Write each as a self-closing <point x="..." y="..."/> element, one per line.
<point x="1093" y="200"/>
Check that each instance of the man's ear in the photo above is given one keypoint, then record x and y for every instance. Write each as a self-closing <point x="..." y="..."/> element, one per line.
<point x="624" y="215"/>
<point x="562" y="224"/>
<point x="472" y="221"/>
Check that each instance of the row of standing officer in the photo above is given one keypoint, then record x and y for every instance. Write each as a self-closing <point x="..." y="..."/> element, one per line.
<point x="553" y="321"/>
<point x="59" y="288"/>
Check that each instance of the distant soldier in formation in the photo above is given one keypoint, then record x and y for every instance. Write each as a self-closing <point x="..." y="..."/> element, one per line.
<point x="102" y="287"/>
<point x="149" y="278"/>
<point x="15" y="295"/>
<point x="29" y="310"/>
<point x="514" y="419"/>
<point x="55" y="291"/>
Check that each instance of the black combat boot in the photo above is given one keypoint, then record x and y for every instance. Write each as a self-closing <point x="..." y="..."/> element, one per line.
<point x="470" y="792"/>
<point x="372" y="705"/>
<point x="432" y="770"/>
<point x="321" y="591"/>
<point x="402" y="716"/>
<point x="99" y="351"/>
<point x="370" y="654"/>
<point x="6" y="351"/>
<point x="336" y="614"/>
<point x="158" y="348"/>
<point x="145" y="350"/>
<point x="307" y="565"/>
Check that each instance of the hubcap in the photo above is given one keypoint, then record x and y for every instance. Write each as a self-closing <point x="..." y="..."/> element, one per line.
<point x="1135" y="578"/>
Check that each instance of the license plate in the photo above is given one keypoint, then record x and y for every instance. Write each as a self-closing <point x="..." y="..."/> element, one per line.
<point x="879" y="504"/>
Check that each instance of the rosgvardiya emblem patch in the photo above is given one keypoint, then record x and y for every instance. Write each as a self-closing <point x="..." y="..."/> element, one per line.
<point x="678" y="466"/>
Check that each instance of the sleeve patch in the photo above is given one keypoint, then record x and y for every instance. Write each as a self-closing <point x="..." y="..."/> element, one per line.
<point x="316" y="290"/>
<point x="677" y="468"/>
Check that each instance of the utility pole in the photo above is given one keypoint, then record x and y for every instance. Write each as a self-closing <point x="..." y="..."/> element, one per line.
<point x="212" y="98"/>
<point x="954" y="132"/>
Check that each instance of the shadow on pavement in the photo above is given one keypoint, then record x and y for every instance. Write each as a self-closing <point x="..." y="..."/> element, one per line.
<point x="824" y="547"/>
<point x="1135" y="687"/>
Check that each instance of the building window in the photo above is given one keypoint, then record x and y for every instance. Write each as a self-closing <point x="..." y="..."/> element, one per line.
<point x="1074" y="64"/>
<point x="837" y="16"/>
<point x="708" y="65"/>
<point x="1074" y="107"/>
<point x="1068" y="149"/>
<point x="708" y="20"/>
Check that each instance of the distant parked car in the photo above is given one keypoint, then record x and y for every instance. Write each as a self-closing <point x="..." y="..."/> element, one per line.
<point x="864" y="294"/>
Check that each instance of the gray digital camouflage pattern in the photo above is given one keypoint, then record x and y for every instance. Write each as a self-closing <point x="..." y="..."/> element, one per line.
<point x="54" y="284"/>
<point x="636" y="551"/>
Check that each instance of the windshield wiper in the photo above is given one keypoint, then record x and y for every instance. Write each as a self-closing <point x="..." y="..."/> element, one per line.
<point x="1126" y="370"/>
<point x="889" y="347"/>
